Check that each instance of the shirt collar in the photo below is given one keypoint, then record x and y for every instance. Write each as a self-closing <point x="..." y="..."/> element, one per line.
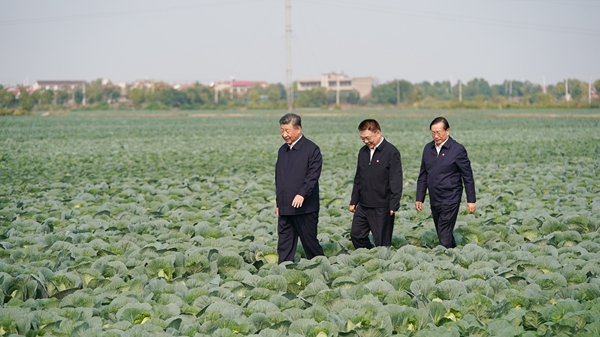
<point x="439" y="148"/>
<point x="376" y="146"/>
<point x="442" y="143"/>
<point x="294" y="143"/>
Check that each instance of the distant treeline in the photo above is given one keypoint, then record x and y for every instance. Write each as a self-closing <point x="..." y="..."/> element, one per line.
<point x="477" y="93"/>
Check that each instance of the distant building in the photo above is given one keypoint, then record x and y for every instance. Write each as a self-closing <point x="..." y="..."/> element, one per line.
<point x="121" y="85"/>
<point x="363" y="85"/>
<point x="57" y="85"/>
<point x="143" y="84"/>
<point x="14" y="90"/>
<point x="183" y="86"/>
<point x="237" y="87"/>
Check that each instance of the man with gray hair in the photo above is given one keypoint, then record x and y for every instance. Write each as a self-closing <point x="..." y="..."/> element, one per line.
<point x="297" y="173"/>
<point x="445" y="168"/>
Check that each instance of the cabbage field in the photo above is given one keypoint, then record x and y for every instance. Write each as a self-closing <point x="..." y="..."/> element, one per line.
<point x="150" y="224"/>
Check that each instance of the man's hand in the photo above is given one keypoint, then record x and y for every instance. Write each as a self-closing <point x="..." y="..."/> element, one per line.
<point x="298" y="201"/>
<point x="277" y="211"/>
<point x="471" y="207"/>
<point x="392" y="212"/>
<point x="352" y="208"/>
<point x="419" y="206"/>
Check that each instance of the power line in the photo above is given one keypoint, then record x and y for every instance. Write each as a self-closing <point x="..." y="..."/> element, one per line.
<point x="453" y="18"/>
<point x="288" y="52"/>
<point x="122" y="13"/>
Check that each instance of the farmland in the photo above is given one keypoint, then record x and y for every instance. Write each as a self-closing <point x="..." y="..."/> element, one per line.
<point x="125" y="224"/>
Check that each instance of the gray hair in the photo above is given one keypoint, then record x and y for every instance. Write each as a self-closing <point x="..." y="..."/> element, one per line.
<point x="291" y="118"/>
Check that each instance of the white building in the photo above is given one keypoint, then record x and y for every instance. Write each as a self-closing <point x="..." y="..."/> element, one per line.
<point x="237" y="87"/>
<point x="341" y="82"/>
<point x="57" y="85"/>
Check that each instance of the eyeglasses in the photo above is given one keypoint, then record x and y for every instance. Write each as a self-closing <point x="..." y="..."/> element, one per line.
<point x="437" y="133"/>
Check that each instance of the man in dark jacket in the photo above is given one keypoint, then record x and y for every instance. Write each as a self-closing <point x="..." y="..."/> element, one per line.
<point x="377" y="188"/>
<point x="297" y="175"/>
<point x="445" y="167"/>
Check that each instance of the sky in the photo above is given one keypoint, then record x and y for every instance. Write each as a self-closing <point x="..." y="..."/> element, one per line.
<point x="185" y="41"/>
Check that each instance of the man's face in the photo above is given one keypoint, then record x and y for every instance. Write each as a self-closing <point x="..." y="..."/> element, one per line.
<point x="438" y="133"/>
<point x="290" y="133"/>
<point x="370" y="138"/>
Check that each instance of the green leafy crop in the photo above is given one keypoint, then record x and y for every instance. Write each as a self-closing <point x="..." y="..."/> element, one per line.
<point x="129" y="226"/>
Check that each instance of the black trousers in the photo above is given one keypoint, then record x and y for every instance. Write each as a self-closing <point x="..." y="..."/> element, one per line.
<point x="444" y="218"/>
<point x="378" y="221"/>
<point x="292" y="227"/>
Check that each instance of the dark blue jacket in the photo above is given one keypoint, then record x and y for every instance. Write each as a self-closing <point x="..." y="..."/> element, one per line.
<point x="378" y="182"/>
<point x="444" y="174"/>
<point x="297" y="172"/>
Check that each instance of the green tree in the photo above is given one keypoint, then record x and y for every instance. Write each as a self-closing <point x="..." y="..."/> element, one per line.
<point x="7" y="98"/>
<point x="558" y="91"/>
<point x="202" y="95"/>
<point x="42" y="97"/>
<point x="387" y="93"/>
<point x="275" y="93"/>
<point x="438" y="90"/>
<point x="352" y="97"/>
<point x="78" y="96"/>
<point x="111" y="92"/>
<point x="578" y="89"/>
<point x="115" y="94"/>
<point x="419" y="92"/>
<point x="94" y="92"/>
<point x="475" y="87"/>
<point x="254" y="96"/>
<point x="136" y="96"/>
<point x="316" y="97"/>
<point x="193" y="96"/>
<point x="25" y="100"/>
<point x="542" y="99"/>
<point x="62" y="97"/>
<point x="171" y="97"/>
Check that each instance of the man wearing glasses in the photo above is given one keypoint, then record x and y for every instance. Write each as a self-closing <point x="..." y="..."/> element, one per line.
<point x="377" y="188"/>
<point x="445" y="167"/>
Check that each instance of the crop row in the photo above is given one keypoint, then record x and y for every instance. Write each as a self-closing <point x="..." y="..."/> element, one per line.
<point x="126" y="226"/>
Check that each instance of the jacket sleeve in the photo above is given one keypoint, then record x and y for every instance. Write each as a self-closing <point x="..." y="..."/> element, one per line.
<point x="466" y="173"/>
<point x="354" y="197"/>
<point x="422" y="181"/>
<point x="395" y="181"/>
<point x="313" y="172"/>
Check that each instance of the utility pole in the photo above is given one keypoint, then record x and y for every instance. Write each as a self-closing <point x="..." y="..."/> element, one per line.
<point x="337" y="90"/>
<point x="459" y="91"/>
<point x="544" y="84"/>
<point x="567" y="90"/>
<point x="590" y="91"/>
<point x="288" y="49"/>
<point x="83" y="101"/>
<point x="397" y="93"/>
<point x="216" y="93"/>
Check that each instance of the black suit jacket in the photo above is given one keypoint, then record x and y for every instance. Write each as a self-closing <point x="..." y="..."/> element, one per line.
<point x="297" y="171"/>
<point x="378" y="182"/>
<point x="445" y="174"/>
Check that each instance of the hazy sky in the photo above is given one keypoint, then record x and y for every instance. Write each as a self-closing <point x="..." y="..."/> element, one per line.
<point x="184" y="41"/>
